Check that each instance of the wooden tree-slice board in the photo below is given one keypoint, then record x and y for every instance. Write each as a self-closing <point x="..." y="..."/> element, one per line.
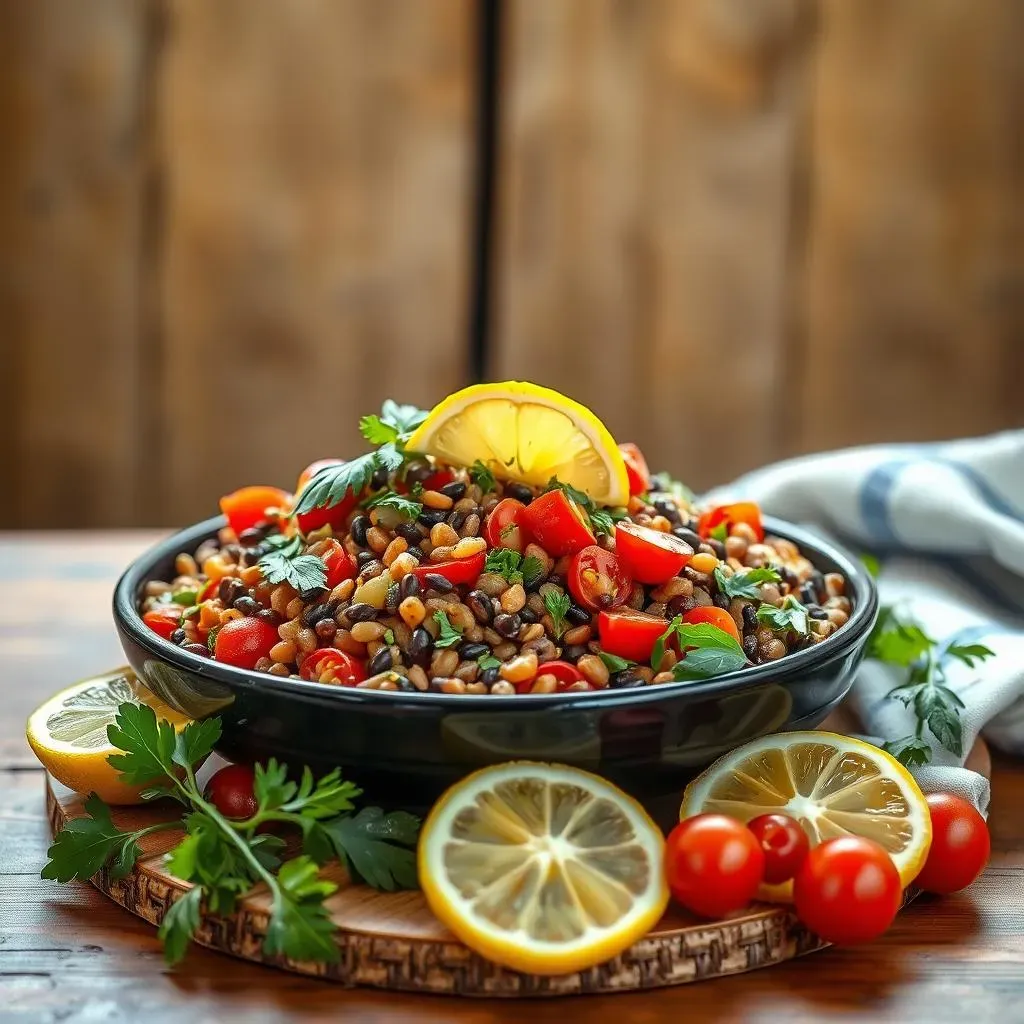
<point x="392" y="941"/>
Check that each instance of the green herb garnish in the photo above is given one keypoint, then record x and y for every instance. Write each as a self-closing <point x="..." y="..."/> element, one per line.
<point x="709" y="651"/>
<point x="614" y="663"/>
<point x="557" y="604"/>
<point x="285" y="563"/>
<point x="449" y="635"/>
<point x="746" y="583"/>
<point x="720" y="533"/>
<point x="482" y="477"/>
<point x="516" y="569"/>
<point x="389" y="636"/>
<point x="486" y="661"/>
<point x="792" y="615"/>
<point x="399" y="502"/>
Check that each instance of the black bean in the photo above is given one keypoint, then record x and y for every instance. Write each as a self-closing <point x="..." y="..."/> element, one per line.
<point x="229" y="589"/>
<point x="409" y="532"/>
<point x="668" y="508"/>
<point x="379" y="478"/>
<point x="528" y="615"/>
<point x="417" y="552"/>
<point x="313" y="593"/>
<point x="470" y="651"/>
<point x="577" y="615"/>
<point x="251" y="537"/>
<point x="361" y="612"/>
<point x="374" y="567"/>
<point x="393" y="598"/>
<point x="418" y="648"/>
<point x="625" y="680"/>
<point x="380" y="662"/>
<point x="507" y="625"/>
<point x="489" y="676"/>
<point x="315" y="612"/>
<point x="573" y="652"/>
<point x="201" y="649"/>
<point x="750" y="646"/>
<point x="520" y="492"/>
<point x="358" y="530"/>
<point x="458" y="518"/>
<point x="817" y="613"/>
<point x="269" y="615"/>
<point x="409" y="587"/>
<point x="691" y="538"/>
<point x="791" y="579"/>
<point x="432" y="516"/>
<point x="232" y="552"/>
<point x="247" y="605"/>
<point x="435" y="581"/>
<point x="718" y="547"/>
<point x="807" y="594"/>
<point x="455" y="490"/>
<point x="177" y="636"/>
<point x="326" y="629"/>
<point x="480" y="605"/>
<point x="363" y="557"/>
<point x="680" y="605"/>
<point x="721" y="601"/>
<point x="417" y="472"/>
<point x="749" y="617"/>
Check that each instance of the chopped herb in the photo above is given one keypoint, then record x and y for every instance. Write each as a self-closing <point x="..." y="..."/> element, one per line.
<point x="389" y="636"/>
<point x="710" y="651"/>
<point x="379" y="848"/>
<point x="532" y="570"/>
<point x="507" y="530"/>
<point x="482" y="477"/>
<point x="211" y="639"/>
<point x="186" y="598"/>
<point x="285" y="564"/>
<point x="449" y="635"/>
<point x="516" y="569"/>
<point x="557" y="604"/>
<point x="487" y="661"/>
<point x="720" y="533"/>
<point x="614" y="663"/>
<point x="400" y="503"/>
<point x="746" y="583"/>
<point x="791" y="615"/>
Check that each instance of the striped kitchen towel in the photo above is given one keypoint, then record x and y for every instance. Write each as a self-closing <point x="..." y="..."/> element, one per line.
<point x="946" y="522"/>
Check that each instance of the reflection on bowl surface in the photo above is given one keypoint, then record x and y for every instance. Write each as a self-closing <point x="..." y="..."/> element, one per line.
<point x="407" y="747"/>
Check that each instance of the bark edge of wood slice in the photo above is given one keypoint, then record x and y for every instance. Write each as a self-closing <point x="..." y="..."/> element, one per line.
<point x="392" y="941"/>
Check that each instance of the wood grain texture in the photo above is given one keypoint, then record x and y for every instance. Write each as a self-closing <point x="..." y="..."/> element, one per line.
<point x="71" y="178"/>
<point x="318" y="187"/>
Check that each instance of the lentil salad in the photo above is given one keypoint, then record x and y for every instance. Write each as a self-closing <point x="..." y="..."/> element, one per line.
<point x="398" y="571"/>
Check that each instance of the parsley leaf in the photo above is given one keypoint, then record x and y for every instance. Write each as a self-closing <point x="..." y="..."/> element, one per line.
<point x="791" y="615"/>
<point x="486" y="661"/>
<point x="898" y="643"/>
<point x="404" y="418"/>
<point x="557" y="604"/>
<point x="969" y="654"/>
<point x="148" y="745"/>
<point x="285" y="564"/>
<point x="180" y="922"/>
<point x="331" y="484"/>
<point x="376" y="431"/>
<point x="401" y="504"/>
<point x="516" y="569"/>
<point x="389" y="636"/>
<point x="874" y="568"/>
<point x="379" y="848"/>
<point x="910" y="751"/>
<point x="449" y="635"/>
<point x="720" y="533"/>
<point x="708" y="650"/>
<point x="746" y="583"/>
<point x="300" y="926"/>
<point x="704" y="663"/>
<point x="614" y="663"/>
<point x="482" y="476"/>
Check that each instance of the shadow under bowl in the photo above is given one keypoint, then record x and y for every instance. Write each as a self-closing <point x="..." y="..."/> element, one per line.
<point x="406" y="748"/>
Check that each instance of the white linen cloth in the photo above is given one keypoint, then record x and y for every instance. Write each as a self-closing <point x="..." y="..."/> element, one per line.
<point x="946" y="521"/>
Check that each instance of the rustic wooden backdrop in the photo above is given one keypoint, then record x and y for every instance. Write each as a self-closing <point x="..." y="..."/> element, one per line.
<point x="738" y="230"/>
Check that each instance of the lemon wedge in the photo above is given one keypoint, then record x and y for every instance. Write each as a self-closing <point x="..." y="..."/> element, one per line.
<point x="542" y="868"/>
<point x="69" y="733"/>
<point x="833" y="785"/>
<point x="522" y="431"/>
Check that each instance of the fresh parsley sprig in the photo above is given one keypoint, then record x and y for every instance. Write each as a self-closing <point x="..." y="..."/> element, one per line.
<point x="225" y="859"/>
<point x="516" y="569"/>
<point x="482" y="476"/>
<point x="557" y="603"/>
<point x="285" y="563"/>
<point x="790" y="615"/>
<point x="399" y="502"/>
<point x="746" y="583"/>
<point x="448" y="636"/>
<point x="708" y="650"/>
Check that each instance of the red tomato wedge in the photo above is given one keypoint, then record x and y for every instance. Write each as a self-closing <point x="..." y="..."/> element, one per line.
<point x="346" y="669"/>
<point x="637" y="473"/>
<point x="504" y="527"/>
<point x="650" y="556"/>
<point x="597" y="579"/>
<point x="629" y="634"/>
<point x="340" y="564"/>
<point x="164" y="619"/>
<point x="564" y="671"/>
<point x="242" y="642"/>
<point x="458" y="570"/>
<point x="557" y="523"/>
<point x="248" y="506"/>
<point x="713" y="617"/>
<point x="729" y="516"/>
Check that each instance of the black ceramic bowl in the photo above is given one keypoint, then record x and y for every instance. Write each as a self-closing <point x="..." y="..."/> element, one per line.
<point x="408" y="747"/>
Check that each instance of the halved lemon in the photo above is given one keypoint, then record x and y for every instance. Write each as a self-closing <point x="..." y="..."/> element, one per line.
<point x="833" y="785"/>
<point x="522" y="431"/>
<point x="541" y="867"/>
<point x="69" y="733"/>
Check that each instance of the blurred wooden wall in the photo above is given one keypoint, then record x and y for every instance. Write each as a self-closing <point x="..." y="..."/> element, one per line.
<point x="738" y="230"/>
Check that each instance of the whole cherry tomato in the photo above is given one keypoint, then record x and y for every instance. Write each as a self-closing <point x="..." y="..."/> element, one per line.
<point x="341" y="668"/>
<point x="713" y="617"/>
<point x="784" y="843"/>
<point x="230" y="790"/>
<point x="340" y="564"/>
<point x="557" y="523"/>
<point x="650" y="556"/>
<point x="164" y="619"/>
<point x="636" y="469"/>
<point x="336" y="515"/>
<point x="597" y="579"/>
<point x="960" y="845"/>
<point x="729" y="516"/>
<point x="458" y="570"/>
<point x="713" y="864"/>
<point x="248" y="506"/>
<point x="847" y="890"/>
<point x="629" y="634"/>
<point x="504" y="527"/>
<point x="242" y="642"/>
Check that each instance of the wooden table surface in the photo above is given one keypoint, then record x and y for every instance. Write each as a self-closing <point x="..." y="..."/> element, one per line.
<point x="68" y="954"/>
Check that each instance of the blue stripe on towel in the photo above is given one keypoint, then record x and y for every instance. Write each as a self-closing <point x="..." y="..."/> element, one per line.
<point x="986" y="491"/>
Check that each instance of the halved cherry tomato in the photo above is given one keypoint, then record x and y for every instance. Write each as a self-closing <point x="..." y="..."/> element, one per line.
<point x="242" y="642"/>
<point x="629" y="634"/>
<point x="209" y="589"/>
<point x="729" y="516"/>
<point x="713" y="617"/>
<point x="650" y="556"/>
<point x="637" y="473"/>
<point x="164" y="619"/>
<point x="340" y="564"/>
<point x="557" y="523"/>
<point x="334" y="516"/>
<point x="504" y="527"/>
<point x="345" y="669"/>
<point x="248" y="506"/>
<point x="458" y="570"/>
<point x="597" y="579"/>
<point x="564" y="671"/>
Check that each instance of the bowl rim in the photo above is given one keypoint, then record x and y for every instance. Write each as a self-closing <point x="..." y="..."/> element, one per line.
<point x="862" y="618"/>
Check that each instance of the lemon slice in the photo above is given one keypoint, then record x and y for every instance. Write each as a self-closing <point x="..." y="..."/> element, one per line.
<point x="69" y="733"/>
<point x="833" y="785"/>
<point x="522" y="431"/>
<point x="542" y="868"/>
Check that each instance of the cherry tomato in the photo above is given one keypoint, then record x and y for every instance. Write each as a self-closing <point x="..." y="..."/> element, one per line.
<point x="713" y="617"/>
<point x="340" y="564"/>
<point x="636" y="469"/>
<point x="713" y="864"/>
<point x="597" y="579"/>
<point x="729" y="516"/>
<point x="164" y="619"/>
<point x="847" y="890"/>
<point x="784" y="843"/>
<point x="960" y="845"/>
<point x="242" y="642"/>
<point x="438" y="479"/>
<point x="557" y="523"/>
<point x="650" y="556"/>
<point x="247" y="507"/>
<point x="564" y="671"/>
<point x="458" y="570"/>
<point x="504" y="527"/>
<point x="336" y="515"/>
<point x="344" y="669"/>
<point x="209" y="589"/>
<point x="230" y="790"/>
<point x="629" y="634"/>
<point x="312" y="469"/>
